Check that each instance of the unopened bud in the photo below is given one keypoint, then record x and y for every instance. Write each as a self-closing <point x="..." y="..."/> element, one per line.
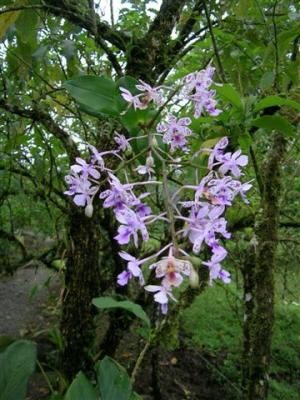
<point x="194" y="278"/>
<point x="150" y="161"/>
<point x="128" y="151"/>
<point x="89" y="210"/>
<point x="154" y="141"/>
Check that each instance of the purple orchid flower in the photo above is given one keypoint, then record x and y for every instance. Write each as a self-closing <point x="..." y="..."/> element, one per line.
<point x="131" y="224"/>
<point x="119" y="195"/>
<point x="150" y="93"/>
<point x="162" y="295"/>
<point x="132" y="100"/>
<point x="175" y="132"/>
<point x="122" y="142"/>
<point x="133" y="269"/>
<point x="85" y="169"/>
<point x="232" y="162"/>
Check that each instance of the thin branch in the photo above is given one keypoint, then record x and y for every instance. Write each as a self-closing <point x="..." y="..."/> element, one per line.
<point x="73" y="14"/>
<point x="110" y="55"/>
<point x="216" y="51"/>
<point x="275" y="46"/>
<point x="112" y="19"/>
<point x="12" y="238"/>
<point x="188" y="26"/>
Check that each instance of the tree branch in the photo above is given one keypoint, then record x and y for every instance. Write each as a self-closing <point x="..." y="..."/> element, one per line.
<point x="15" y="239"/>
<point x="40" y="116"/>
<point x="188" y="26"/>
<point x="81" y="17"/>
<point x="216" y="51"/>
<point x="151" y="50"/>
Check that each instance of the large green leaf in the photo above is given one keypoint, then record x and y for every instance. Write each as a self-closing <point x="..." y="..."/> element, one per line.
<point x="81" y="389"/>
<point x="229" y="93"/>
<point x="95" y="95"/>
<point x="113" y="380"/>
<point x="17" y="363"/>
<point x="26" y="26"/>
<point x="6" y="20"/>
<point x="275" y="122"/>
<point x="267" y="80"/>
<point x="271" y="101"/>
<point x="109" y="303"/>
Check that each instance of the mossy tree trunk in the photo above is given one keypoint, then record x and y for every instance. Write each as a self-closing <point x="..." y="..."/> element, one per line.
<point x="262" y="312"/>
<point x="248" y="269"/>
<point x="81" y="286"/>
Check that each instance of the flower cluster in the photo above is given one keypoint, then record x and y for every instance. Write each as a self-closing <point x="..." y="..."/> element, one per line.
<point x="196" y="88"/>
<point x="195" y="213"/>
<point x="175" y="132"/>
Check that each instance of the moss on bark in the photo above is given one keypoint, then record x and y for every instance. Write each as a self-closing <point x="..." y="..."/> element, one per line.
<point x="262" y="312"/>
<point x="81" y="286"/>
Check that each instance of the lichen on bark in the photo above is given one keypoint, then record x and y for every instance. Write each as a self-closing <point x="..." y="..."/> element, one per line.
<point x="262" y="318"/>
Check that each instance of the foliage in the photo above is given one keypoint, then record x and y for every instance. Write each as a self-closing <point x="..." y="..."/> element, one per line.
<point x="17" y="363"/>
<point x="105" y="303"/>
<point x="113" y="384"/>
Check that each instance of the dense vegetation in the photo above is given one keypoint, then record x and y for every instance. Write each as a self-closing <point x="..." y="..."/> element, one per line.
<point x="61" y="65"/>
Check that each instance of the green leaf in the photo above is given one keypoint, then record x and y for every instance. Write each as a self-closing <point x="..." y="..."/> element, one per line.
<point x="275" y="122"/>
<point x="271" y="101"/>
<point x="6" y="20"/>
<point x="245" y="141"/>
<point x="95" y="95"/>
<point x="229" y="93"/>
<point x="55" y="396"/>
<point x="26" y="26"/>
<point x="113" y="380"/>
<point x="267" y="80"/>
<point x="285" y="38"/>
<point x="17" y="363"/>
<point x="109" y="302"/>
<point x="80" y="389"/>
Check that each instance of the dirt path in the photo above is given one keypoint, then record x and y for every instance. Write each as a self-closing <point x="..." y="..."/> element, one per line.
<point x="19" y="313"/>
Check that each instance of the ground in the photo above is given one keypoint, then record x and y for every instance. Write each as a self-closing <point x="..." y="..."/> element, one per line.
<point x="205" y="367"/>
<point x="24" y="311"/>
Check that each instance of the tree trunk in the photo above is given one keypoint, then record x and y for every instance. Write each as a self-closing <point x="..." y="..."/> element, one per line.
<point x="261" y="320"/>
<point x="248" y="269"/>
<point x="81" y="286"/>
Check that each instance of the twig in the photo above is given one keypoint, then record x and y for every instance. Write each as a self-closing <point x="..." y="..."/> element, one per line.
<point x="45" y="377"/>
<point x="139" y="361"/>
<point x="216" y="51"/>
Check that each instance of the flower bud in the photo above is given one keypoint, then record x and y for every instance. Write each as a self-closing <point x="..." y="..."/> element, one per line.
<point x="150" y="161"/>
<point x="154" y="141"/>
<point x="194" y="278"/>
<point x="128" y="151"/>
<point x="89" y="210"/>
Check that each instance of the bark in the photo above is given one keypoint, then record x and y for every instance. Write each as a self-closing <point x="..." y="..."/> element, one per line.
<point x="248" y="269"/>
<point x="151" y="50"/>
<point x="262" y="314"/>
<point x="81" y="286"/>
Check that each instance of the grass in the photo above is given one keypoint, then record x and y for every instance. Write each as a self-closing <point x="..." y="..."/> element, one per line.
<point x="214" y="324"/>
